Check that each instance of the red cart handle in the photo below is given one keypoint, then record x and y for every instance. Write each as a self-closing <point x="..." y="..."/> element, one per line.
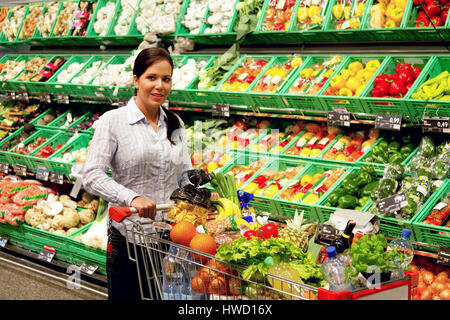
<point x="120" y="213"/>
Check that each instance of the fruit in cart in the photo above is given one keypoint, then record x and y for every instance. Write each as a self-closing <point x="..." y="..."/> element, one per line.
<point x="296" y="233"/>
<point x="202" y="242"/>
<point x="182" y="233"/>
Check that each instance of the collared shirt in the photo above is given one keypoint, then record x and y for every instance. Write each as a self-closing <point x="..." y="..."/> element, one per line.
<point x="143" y="162"/>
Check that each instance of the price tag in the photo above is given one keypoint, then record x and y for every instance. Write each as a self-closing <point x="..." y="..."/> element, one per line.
<point x="88" y="268"/>
<point x="56" y="177"/>
<point x="443" y="256"/>
<point x="393" y="203"/>
<point x="23" y="96"/>
<point x="4" y="167"/>
<point x="336" y="118"/>
<point x="47" y="254"/>
<point x="220" y="110"/>
<point x="45" y="98"/>
<point x="388" y="122"/>
<point x="20" y="169"/>
<point x="11" y="95"/>
<point x="327" y="235"/>
<point x="433" y="124"/>
<point x="62" y="98"/>
<point x="42" y="173"/>
<point x="3" y="242"/>
<point x="74" y="129"/>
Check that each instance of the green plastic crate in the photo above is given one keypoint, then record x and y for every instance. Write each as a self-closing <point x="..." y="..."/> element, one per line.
<point x="316" y="33"/>
<point x="40" y="238"/>
<point x="425" y="33"/>
<point x="276" y="36"/>
<point x="304" y="101"/>
<point x="432" y="108"/>
<point x="352" y="104"/>
<point x="12" y="233"/>
<point x="90" y="32"/>
<point x="16" y="158"/>
<point x="84" y="253"/>
<point x="324" y="212"/>
<point x="273" y="99"/>
<point x="265" y="203"/>
<point x="21" y="36"/>
<point x="4" y="154"/>
<point x="397" y="106"/>
<point x="347" y="34"/>
<point x="311" y="211"/>
<point x="241" y="98"/>
<point x="82" y="141"/>
<point x="82" y="90"/>
<point x="53" y="84"/>
<point x="61" y="138"/>
<point x="11" y="84"/>
<point x="11" y="39"/>
<point x="427" y="233"/>
<point x="132" y="36"/>
<point x="55" y="37"/>
<point x="39" y="38"/>
<point x="400" y="33"/>
<point x="42" y="115"/>
<point x="181" y="29"/>
<point x="4" y="59"/>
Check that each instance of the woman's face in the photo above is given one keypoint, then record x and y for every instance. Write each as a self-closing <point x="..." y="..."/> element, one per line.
<point x="154" y="85"/>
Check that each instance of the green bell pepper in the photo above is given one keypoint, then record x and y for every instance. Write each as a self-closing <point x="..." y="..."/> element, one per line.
<point x="407" y="149"/>
<point x="366" y="168"/>
<point x="363" y="201"/>
<point x="378" y="150"/>
<point x="347" y="201"/>
<point x="396" y="158"/>
<point x="363" y="179"/>
<point x="366" y="191"/>
<point x="335" y="195"/>
<point x="351" y="186"/>
<point x="393" y="146"/>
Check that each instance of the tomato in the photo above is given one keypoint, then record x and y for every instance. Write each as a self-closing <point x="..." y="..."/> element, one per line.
<point x="249" y="234"/>
<point x="269" y="230"/>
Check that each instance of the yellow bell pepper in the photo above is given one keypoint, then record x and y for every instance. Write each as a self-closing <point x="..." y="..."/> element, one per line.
<point x="390" y="7"/>
<point x="389" y="24"/>
<point x="372" y="65"/>
<point x="328" y="73"/>
<point x="311" y="198"/>
<point x="352" y="84"/>
<point x="226" y="86"/>
<point x="306" y="179"/>
<point x="337" y="82"/>
<point x="397" y="15"/>
<point x="355" y="23"/>
<point x="338" y="11"/>
<point x="251" y="187"/>
<point x="296" y="62"/>
<point x="212" y="166"/>
<point x="345" y="92"/>
<point x="297" y="197"/>
<point x="400" y="4"/>
<point x="316" y="178"/>
<point x="305" y="152"/>
<point x="315" y="153"/>
<point x="313" y="12"/>
<point x="341" y="157"/>
<point x="356" y="66"/>
<point x="302" y="14"/>
<point x="347" y="12"/>
<point x="346" y="74"/>
<point x="359" y="90"/>
<point x="360" y="9"/>
<point x="271" y="191"/>
<point x="306" y="73"/>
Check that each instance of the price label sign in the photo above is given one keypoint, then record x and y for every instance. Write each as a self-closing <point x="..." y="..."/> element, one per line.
<point x="42" y="173"/>
<point x="336" y="118"/>
<point x="88" y="268"/>
<point x="393" y="203"/>
<point x="220" y="110"/>
<point x="20" y="169"/>
<point x="388" y="122"/>
<point x="56" y="177"/>
<point x="11" y="95"/>
<point x="23" y="96"/>
<point x="4" y="167"/>
<point x="432" y="124"/>
<point x="443" y="256"/>
<point x="47" y="254"/>
<point x="45" y="98"/>
<point x="3" y="242"/>
<point x="62" y="99"/>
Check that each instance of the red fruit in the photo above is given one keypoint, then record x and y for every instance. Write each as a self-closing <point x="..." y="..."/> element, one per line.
<point x="432" y="9"/>
<point x="444" y="15"/>
<point x="416" y="71"/>
<point x="403" y="66"/>
<point x="397" y="87"/>
<point x="407" y="76"/>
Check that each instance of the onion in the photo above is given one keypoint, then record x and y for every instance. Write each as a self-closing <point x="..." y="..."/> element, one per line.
<point x="421" y="286"/>
<point x="445" y="294"/>
<point x="442" y="274"/>
<point x="427" y="294"/>
<point x="414" y="268"/>
<point x="428" y="277"/>
<point x="437" y="287"/>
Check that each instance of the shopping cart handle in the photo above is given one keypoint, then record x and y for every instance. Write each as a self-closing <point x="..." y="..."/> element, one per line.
<point x="120" y="213"/>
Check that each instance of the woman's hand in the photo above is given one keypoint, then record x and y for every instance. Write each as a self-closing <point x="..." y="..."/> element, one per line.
<point x="146" y="208"/>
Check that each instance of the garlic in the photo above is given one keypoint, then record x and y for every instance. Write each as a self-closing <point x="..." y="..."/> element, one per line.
<point x="126" y="15"/>
<point x="158" y="16"/>
<point x="192" y="20"/>
<point x="104" y="15"/>
<point x="183" y="76"/>
<point x="219" y="16"/>
<point x="67" y="74"/>
<point x="88" y="73"/>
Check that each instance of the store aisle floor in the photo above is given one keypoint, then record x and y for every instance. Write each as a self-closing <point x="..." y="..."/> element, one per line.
<point x="17" y="283"/>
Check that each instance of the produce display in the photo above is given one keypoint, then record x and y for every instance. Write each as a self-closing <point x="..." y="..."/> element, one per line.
<point x="11" y="24"/>
<point x="434" y="15"/>
<point x="219" y="16"/>
<point x="278" y="15"/>
<point x="49" y="16"/>
<point x="242" y="173"/>
<point x="435" y="88"/>
<point x="31" y="20"/>
<point x="125" y="18"/>
<point x="275" y="141"/>
<point x="438" y="216"/>
<point x="352" y="80"/>
<point x="82" y="18"/>
<point x="14" y="115"/>
<point x="313" y="77"/>
<point x="31" y="68"/>
<point x="242" y="133"/>
<point x="193" y="18"/>
<point x="183" y="75"/>
<point x="347" y="14"/>
<point x="70" y="71"/>
<point x="158" y="17"/>
<point x="85" y="76"/>
<point x="115" y="74"/>
<point x="387" y="14"/>
<point x="3" y="15"/>
<point x="311" y="14"/>
<point x="103" y="18"/>
<point x="63" y="22"/>
<point x="243" y="76"/>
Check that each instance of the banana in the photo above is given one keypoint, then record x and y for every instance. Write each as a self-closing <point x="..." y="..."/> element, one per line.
<point x="221" y="211"/>
<point x="227" y="205"/>
<point x="237" y="210"/>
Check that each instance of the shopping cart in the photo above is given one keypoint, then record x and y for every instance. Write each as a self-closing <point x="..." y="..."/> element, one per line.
<point x="169" y="271"/>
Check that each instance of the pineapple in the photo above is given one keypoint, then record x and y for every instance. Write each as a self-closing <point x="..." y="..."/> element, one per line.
<point x="295" y="233"/>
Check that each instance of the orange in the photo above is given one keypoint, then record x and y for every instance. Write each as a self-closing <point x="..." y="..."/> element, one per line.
<point x="182" y="233"/>
<point x="205" y="243"/>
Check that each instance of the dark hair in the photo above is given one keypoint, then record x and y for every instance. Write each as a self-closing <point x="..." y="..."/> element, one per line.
<point x="144" y="60"/>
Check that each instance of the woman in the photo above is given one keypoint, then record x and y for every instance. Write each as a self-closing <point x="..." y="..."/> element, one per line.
<point x="145" y="146"/>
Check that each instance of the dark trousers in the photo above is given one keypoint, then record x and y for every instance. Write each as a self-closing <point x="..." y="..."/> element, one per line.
<point x="122" y="275"/>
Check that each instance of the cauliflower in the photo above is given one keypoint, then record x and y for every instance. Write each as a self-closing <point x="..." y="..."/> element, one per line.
<point x="57" y="223"/>
<point x="60" y="232"/>
<point x="35" y="217"/>
<point x="86" y="216"/>
<point x="93" y="205"/>
<point x="70" y="218"/>
<point x="68" y="202"/>
<point x="71" y="230"/>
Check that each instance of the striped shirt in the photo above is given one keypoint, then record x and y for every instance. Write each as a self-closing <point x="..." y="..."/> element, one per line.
<point x="143" y="162"/>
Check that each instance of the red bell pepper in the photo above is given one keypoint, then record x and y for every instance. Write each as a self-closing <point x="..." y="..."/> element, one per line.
<point x="437" y="21"/>
<point x="382" y="78"/>
<point x="249" y="234"/>
<point x="397" y="87"/>
<point x="432" y="9"/>
<point x="444" y="15"/>
<point x="381" y="89"/>
<point x="416" y="71"/>
<point x="402" y="66"/>
<point x="407" y="76"/>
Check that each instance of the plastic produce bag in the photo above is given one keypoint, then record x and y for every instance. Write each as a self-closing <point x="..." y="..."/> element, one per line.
<point x="185" y="211"/>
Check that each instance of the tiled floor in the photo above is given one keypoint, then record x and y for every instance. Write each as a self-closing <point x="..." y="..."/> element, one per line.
<point x="18" y="283"/>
